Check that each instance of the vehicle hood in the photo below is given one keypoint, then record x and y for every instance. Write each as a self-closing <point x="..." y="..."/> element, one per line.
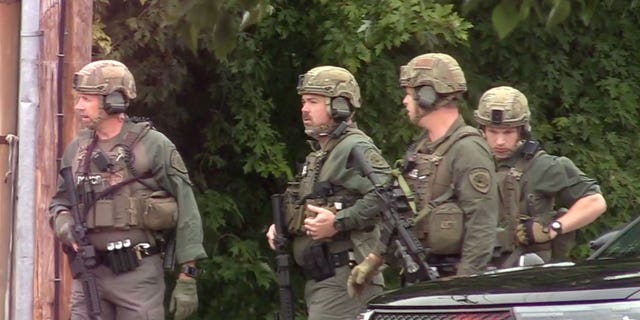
<point x="594" y="280"/>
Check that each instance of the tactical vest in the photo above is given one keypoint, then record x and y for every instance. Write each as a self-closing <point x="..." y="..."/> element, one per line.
<point x="308" y="190"/>
<point x="114" y="196"/>
<point x="514" y="208"/>
<point x="439" y="221"/>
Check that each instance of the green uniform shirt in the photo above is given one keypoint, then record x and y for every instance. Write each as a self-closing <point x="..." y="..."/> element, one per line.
<point x="547" y="180"/>
<point x="475" y="191"/>
<point x="157" y="154"/>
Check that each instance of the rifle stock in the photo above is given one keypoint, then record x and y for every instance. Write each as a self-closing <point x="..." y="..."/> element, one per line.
<point x="408" y="249"/>
<point x="84" y="258"/>
<point x="283" y="261"/>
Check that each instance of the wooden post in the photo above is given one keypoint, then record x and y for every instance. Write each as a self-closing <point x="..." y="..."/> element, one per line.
<point x="76" y="53"/>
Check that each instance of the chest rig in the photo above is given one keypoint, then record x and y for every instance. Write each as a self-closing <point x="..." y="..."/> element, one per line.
<point x="307" y="189"/>
<point x="438" y="221"/>
<point x="515" y="205"/>
<point x="426" y="174"/>
<point x="105" y="174"/>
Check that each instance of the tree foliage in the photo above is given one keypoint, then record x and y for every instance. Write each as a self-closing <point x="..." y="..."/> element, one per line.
<point x="219" y="77"/>
<point x="506" y="15"/>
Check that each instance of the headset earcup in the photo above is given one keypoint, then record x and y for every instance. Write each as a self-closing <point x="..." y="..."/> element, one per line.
<point x="340" y="109"/>
<point x="525" y="131"/>
<point x="426" y="96"/>
<point x="115" y="103"/>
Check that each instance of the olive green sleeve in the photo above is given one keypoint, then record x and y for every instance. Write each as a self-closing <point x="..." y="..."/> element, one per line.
<point x="171" y="174"/>
<point x="60" y="201"/>
<point x="365" y="212"/>
<point x="559" y="177"/>
<point x="475" y="188"/>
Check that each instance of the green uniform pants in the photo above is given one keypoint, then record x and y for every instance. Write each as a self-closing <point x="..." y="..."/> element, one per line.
<point x="134" y="295"/>
<point x="329" y="300"/>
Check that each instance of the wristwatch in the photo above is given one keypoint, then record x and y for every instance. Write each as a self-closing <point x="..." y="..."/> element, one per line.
<point x="556" y="226"/>
<point x="190" y="271"/>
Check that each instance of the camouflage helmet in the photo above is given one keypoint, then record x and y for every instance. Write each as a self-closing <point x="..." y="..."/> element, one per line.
<point x="104" y="77"/>
<point x="438" y="70"/>
<point x="503" y="107"/>
<point x="330" y="81"/>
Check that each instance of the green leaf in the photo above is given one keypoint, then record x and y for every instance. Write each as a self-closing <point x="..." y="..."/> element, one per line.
<point x="505" y="18"/>
<point x="525" y="9"/>
<point x="558" y="13"/>
<point x="588" y="10"/>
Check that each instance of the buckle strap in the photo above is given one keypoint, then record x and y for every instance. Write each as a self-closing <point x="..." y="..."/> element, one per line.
<point x="340" y="259"/>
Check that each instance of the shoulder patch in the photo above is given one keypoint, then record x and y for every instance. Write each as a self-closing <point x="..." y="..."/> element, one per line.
<point x="177" y="162"/>
<point x="375" y="159"/>
<point x="480" y="179"/>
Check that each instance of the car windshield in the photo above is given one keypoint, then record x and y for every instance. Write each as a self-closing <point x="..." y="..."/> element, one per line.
<point x="625" y="245"/>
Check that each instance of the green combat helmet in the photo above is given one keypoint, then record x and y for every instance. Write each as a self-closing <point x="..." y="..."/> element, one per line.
<point x="104" y="77"/>
<point x="330" y="81"/>
<point x="437" y="70"/>
<point x="504" y="107"/>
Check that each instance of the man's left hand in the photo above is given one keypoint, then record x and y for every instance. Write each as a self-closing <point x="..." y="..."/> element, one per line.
<point x="184" y="299"/>
<point x="531" y="232"/>
<point x="320" y="226"/>
<point x="362" y="274"/>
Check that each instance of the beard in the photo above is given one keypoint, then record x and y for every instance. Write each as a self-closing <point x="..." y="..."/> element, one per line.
<point x="417" y="116"/>
<point x="95" y="122"/>
<point x="323" y="130"/>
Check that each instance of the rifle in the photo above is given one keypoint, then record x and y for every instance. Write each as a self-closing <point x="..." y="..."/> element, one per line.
<point x="283" y="262"/>
<point x="85" y="258"/>
<point x="408" y="249"/>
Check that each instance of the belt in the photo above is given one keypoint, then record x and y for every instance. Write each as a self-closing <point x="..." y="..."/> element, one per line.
<point x="319" y="273"/>
<point x="340" y="259"/>
<point x="139" y="248"/>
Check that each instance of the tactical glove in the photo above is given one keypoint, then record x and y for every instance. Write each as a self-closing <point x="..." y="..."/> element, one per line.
<point x="531" y="232"/>
<point x="63" y="227"/>
<point x="184" y="299"/>
<point x="360" y="276"/>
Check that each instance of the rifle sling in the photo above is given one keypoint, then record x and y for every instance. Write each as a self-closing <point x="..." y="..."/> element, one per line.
<point x="434" y="203"/>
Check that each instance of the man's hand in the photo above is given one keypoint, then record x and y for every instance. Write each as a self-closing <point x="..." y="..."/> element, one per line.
<point x="320" y="226"/>
<point x="530" y="232"/>
<point x="362" y="274"/>
<point x="63" y="227"/>
<point x="184" y="298"/>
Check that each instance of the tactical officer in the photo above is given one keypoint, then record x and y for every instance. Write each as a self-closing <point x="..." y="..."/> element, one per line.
<point x="449" y="171"/>
<point x="133" y="189"/>
<point x="331" y="210"/>
<point x="533" y="184"/>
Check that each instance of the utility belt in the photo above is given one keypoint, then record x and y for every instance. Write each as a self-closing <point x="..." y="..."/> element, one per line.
<point x="320" y="263"/>
<point x="121" y="256"/>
